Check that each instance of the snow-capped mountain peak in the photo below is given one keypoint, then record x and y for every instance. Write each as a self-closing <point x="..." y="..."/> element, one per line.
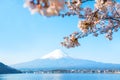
<point x="58" y="60"/>
<point x="56" y="54"/>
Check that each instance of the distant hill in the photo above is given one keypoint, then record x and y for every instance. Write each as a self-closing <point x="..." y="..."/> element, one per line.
<point x="59" y="60"/>
<point x="4" y="69"/>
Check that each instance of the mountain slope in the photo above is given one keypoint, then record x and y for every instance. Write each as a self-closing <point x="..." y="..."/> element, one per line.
<point x="59" y="60"/>
<point x="4" y="69"/>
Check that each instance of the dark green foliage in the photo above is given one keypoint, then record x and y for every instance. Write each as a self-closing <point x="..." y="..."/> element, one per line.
<point x="4" y="69"/>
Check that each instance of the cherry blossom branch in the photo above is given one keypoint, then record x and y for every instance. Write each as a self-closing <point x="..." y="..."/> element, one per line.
<point x="104" y="18"/>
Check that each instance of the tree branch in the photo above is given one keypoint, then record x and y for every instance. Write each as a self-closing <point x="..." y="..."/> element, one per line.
<point x="113" y="18"/>
<point x="87" y="1"/>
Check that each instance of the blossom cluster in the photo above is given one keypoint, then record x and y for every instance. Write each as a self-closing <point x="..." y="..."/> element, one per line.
<point x="45" y="7"/>
<point x="71" y="41"/>
<point x="103" y="4"/>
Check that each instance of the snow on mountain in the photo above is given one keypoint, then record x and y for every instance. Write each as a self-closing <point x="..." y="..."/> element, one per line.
<point x="59" y="60"/>
<point x="56" y="54"/>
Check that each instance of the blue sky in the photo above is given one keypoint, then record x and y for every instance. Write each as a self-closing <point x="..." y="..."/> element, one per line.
<point x="24" y="37"/>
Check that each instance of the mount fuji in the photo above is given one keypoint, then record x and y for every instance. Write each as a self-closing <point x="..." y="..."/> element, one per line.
<point x="59" y="60"/>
